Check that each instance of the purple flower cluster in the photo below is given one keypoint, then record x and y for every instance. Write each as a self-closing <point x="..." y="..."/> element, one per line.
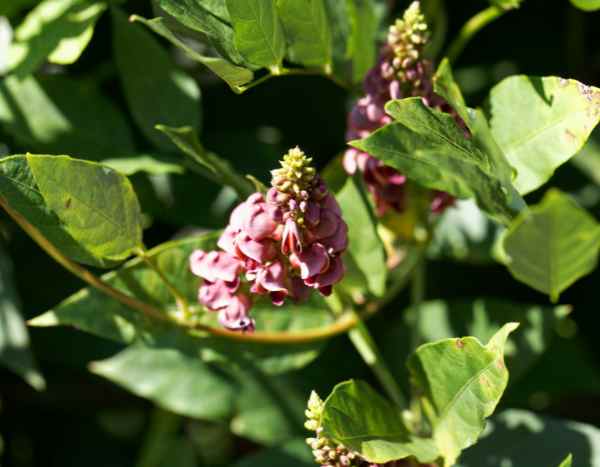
<point x="283" y="244"/>
<point x="400" y="72"/>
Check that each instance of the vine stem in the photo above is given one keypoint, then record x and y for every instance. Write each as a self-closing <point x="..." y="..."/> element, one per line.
<point x="345" y="322"/>
<point x="471" y="28"/>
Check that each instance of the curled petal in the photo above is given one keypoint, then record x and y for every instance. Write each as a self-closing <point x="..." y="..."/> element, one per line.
<point x="259" y="251"/>
<point x="236" y="219"/>
<point x="300" y="292"/>
<point x="259" y="223"/>
<point x="291" y="241"/>
<point x="329" y="202"/>
<point x="216" y="295"/>
<point x="273" y="277"/>
<point x="313" y="260"/>
<point x="349" y="161"/>
<point x="338" y="242"/>
<point x="215" y="265"/>
<point x="235" y="316"/>
<point x="328" y="224"/>
<point x="312" y="214"/>
<point x="334" y="274"/>
<point x="227" y="240"/>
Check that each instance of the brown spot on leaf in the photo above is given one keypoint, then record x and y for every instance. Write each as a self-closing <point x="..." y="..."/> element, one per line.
<point x="570" y="135"/>
<point x="68" y="203"/>
<point x="500" y="363"/>
<point x="460" y="343"/>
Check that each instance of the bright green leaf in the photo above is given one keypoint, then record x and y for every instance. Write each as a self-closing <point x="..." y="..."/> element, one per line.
<point x="88" y="211"/>
<point x="210" y="165"/>
<point x="540" y="123"/>
<point x="360" y="419"/>
<point x="150" y="164"/>
<point x="461" y="381"/>
<point x="430" y="148"/>
<point x="52" y="115"/>
<point x="156" y="91"/>
<point x="96" y="313"/>
<point x="364" y="243"/>
<point x="506" y="4"/>
<point x="202" y="16"/>
<point x="587" y="5"/>
<point x="568" y="462"/>
<point x="56" y="30"/>
<point x="232" y="74"/>
<point x="553" y="244"/>
<point x="176" y="382"/>
<point x="14" y="340"/>
<point x="363" y="33"/>
<point x="306" y="30"/>
<point x="258" y="32"/>
<point x="518" y="438"/>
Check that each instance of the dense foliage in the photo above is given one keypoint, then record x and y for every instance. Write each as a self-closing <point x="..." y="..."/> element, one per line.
<point x="245" y="189"/>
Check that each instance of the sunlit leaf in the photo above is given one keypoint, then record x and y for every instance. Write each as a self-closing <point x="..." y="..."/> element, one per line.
<point x="258" y="32"/>
<point x="363" y="32"/>
<point x="147" y="163"/>
<point x="156" y="90"/>
<point x="14" y="340"/>
<point x="587" y="5"/>
<point x="552" y="244"/>
<point x="568" y="462"/>
<point x="540" y="123"/>
<point x="55" y="30"/>
<point x="307" y="31"/>
<point x="86" y="210"/>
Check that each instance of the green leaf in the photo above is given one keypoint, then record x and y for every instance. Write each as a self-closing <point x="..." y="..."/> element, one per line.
<point x="294" y="453"/>
<point x="51" y="115"/>
<point x="258" y="32"/>
<point x="568" y="462"/>
<point x="507" y="4"/>
<point x="360" y="419"/>
<point x="86" y="210"/>
<point x="15" y="6"/>
<point x="552" y="245"/>
<point x="362" y="39"/>
<point x="430" y="148"/>
<point x="174" y="381"/>
<point x="96" y="313"/>
<point x="156" y="91"/>
<point x="464" y="233"/>
<point x="232" y="74"/>
<point x="148" y="163"/>
<point x="210" y="165"/>
<point x="56" y="30"/>
<point x="364" y="243"/>
<point x="306" y="30"/>
<point x="588" y="159"/>
<point x="202" y="16"/>
<point x="540" y="123"/>
<point x="518" y="438"/>
<point x="339" y="22"/>
<point x="587" y="5"/>
<point x="461" y="381"/>
<point x="14" y="340"/>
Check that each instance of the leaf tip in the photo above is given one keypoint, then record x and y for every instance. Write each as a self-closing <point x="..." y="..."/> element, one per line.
<point x="45" y="320"/>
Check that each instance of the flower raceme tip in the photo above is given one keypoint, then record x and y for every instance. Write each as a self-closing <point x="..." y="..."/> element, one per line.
<point x="282" y="244"/>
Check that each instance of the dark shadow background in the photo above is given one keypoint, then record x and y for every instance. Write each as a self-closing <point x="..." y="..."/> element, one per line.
<point x="83" y="420"/>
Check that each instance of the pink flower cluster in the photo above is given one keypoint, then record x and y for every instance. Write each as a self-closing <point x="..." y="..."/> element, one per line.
<point x="400" y="72"/>
<point x="283" y="244"/>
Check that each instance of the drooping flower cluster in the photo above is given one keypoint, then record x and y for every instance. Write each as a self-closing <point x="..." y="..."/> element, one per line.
<point x="328" y="453"/>
<point x="283" y="245"/>
<point x="401" y="71"/>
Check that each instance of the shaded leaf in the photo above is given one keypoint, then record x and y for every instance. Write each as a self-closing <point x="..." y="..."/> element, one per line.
<point x="363" y="33"/>
<point x="430" y="148"/>
<point x="51" y="115"/>
<point x="15" y="6"/>
<point x="587" y="5"/>
<point x="294" y="453"/>
<point x="258" y="32"/>
<point x="364" y="244"/>
<point x="540" y="123"/>
<point x="14" y="340"/>
<point x="588" y="159"/>
<point x="232" y="74"/>
<point x="96" y="313"/>
<point x="339" y="22"/>
<point x="306" y="31"/>
<point x="56" y="30"/>
<point x="156" y="91"/>
<point x="552" y="244"/>
<point x="86" y="210"/>
<point x="179" y="383"/>
<point x="211" y="165"/>
<point x="518" y="438"/>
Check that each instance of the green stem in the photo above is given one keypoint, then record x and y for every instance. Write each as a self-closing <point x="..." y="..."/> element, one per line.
<point x="370" y="353"/>
<point x="417" y="296"/>
<point x="471" y="28"/>
<point x="179" y="298"/>
<point x="163" y="425"/>
<point x="325" y="72"/>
